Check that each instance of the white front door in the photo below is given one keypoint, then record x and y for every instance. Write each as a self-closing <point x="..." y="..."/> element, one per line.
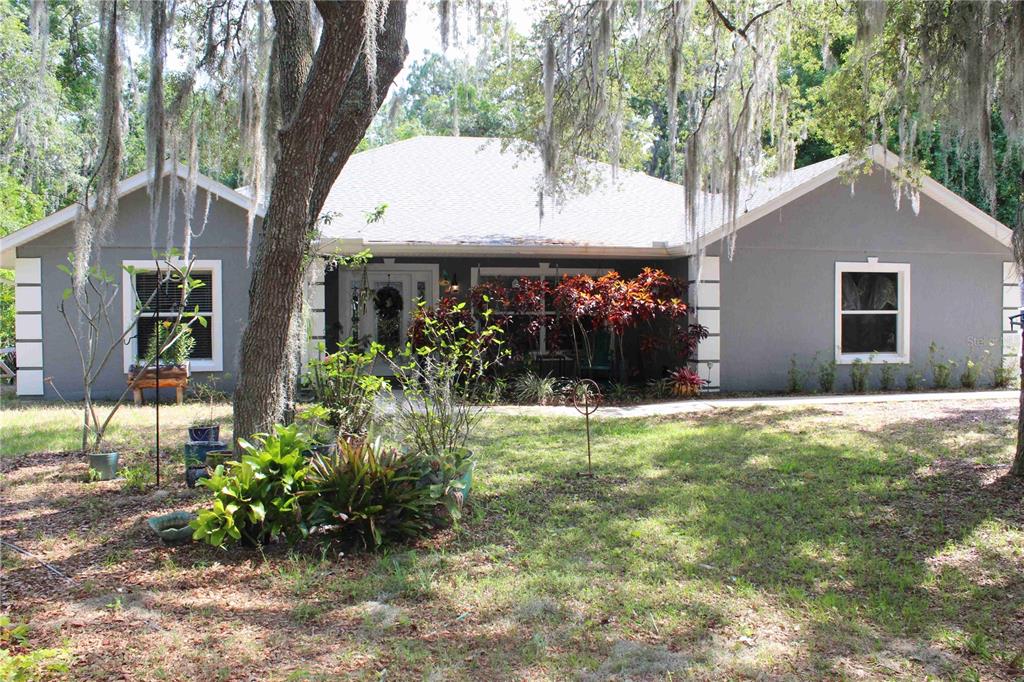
<point x="394" y="292"/>
<point x="389" y="309"/>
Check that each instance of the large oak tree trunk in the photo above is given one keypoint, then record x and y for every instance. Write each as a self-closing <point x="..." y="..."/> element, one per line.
<point x="325" y="107"/>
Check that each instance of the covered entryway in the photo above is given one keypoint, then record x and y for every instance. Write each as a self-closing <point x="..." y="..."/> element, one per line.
<point x="377" y="304"/>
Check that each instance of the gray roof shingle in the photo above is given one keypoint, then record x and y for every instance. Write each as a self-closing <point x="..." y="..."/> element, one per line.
<point x="467" y="191"/>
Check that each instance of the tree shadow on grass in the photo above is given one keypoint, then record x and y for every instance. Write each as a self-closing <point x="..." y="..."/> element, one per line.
<point x="853" y="533"/>
<point x="862" y="543"/>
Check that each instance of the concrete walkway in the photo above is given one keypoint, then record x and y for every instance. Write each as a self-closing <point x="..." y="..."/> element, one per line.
<point x="701" y="405"/>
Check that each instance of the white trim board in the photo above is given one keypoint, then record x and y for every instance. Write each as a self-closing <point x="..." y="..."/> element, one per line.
<point x="216" y="364"/>
<point x="138" y="181"/>
<point x="902" y="354"/>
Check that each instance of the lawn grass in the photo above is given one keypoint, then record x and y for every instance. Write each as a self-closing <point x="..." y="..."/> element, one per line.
<point x="26" y="427"/>
<point x="835" y="542"/>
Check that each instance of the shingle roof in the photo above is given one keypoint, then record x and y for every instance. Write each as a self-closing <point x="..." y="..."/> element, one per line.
<point x="467" y="191"/>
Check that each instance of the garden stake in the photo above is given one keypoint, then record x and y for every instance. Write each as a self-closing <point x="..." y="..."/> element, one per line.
<point x="584" y="391"/>
<point x="158" y="350"/>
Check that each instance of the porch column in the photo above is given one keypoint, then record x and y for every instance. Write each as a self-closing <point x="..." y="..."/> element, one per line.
<point x="316" y="324"/>
<point x="1011" y="306"/>
<point x="705" y="309"/>
<point x="28" y="325"/>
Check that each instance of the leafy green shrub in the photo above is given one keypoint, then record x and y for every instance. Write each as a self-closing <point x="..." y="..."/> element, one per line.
<point x="176" y="340"/>
<point x="859" y="374"/>
<point x="442" y="379"/>
<point x="370" y="493"/>
<point x="620" y="393"/>
<point x="314" y="421"/>
<point x="257" y="499"/>
<point x="531" y="389"/>
<point x="658" y="388"/>
<point x="345" y="386"/>
<point x="942" y="372"/>
<point x="887" y="377"/>
<point x="18" y="663"/>
<point x="1002" y="376"/>
<point x="138" y="478"/>
<point x="794" y="377"/>
<point x="913" y="378"/>
<point x="827" y="376"/>
<point x="972" y="371"/>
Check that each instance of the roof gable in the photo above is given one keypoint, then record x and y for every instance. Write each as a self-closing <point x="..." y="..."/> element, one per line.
<point x="773" y="194"/>
<point x="131" y="184"/>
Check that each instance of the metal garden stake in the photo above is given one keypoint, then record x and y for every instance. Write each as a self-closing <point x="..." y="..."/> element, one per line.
<point x="585" y="398"/>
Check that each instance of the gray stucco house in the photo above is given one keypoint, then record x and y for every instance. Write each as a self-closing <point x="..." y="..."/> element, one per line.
<point x="816" y="266"/>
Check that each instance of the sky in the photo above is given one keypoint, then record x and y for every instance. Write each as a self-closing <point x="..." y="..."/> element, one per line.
<point x="423" y="32"/>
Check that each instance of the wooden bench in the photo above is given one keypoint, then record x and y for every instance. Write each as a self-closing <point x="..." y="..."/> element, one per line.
<point x="170" y="377"/>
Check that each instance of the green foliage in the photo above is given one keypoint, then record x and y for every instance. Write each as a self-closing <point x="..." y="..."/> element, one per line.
<point x="942" y="372"/>
<point x="827" y="376"/>
<point x="794" y="377"/>
<point x="18" y="664"/>
<point x="173" y="342"/>
<point x="345" y="386"/>
<point x="1003" y="376"/>
<point x="209" y="392"/>
<point x="370" y="493"/>
<point x="972" y="371"/>
<point x="887" y="377"/>
<point x="913" y="379"/>
<point x="314" y="421"/>
<point x="93" y="475"/>
<point x="19" y="206"/>
<point x="532" y="389"/>
<point x="859" y="375"/>
<point x="257" y="498"/>
<point x="442" y="375"/>
<point x="137" y="479"/>
<point x="620" y="393"/>
<point x="6" y="308"/>
<point x="659" y="388"/>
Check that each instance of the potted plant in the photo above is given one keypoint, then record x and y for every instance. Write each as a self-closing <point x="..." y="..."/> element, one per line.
<point x="172" y="362"/>
<point x="686" y="382"/>
<point x="104" y="464"/>
<point x="204" y="428"/>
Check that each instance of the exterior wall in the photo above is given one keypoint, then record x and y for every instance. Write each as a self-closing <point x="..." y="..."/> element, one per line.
<point x="778" y="290"/>
<point x="223" y="240"/>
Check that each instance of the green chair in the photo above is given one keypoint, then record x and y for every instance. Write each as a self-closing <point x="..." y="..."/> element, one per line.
<point x="600" y="355"/>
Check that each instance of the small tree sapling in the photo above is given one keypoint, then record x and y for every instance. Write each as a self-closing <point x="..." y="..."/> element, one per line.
<point x="90" y="314"/>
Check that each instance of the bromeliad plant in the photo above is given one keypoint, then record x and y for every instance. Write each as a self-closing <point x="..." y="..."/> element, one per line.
<point x="257" y="499"/>
<point x="686" y="382"/>
<point x="370" y="494"/>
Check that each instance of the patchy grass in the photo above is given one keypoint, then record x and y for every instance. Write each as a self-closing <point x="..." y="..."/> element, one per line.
<point x="841" y="542"/>
<point x="28" y="427"/>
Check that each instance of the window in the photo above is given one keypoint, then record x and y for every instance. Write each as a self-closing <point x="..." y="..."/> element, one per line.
<point x="872" y="311"/>
<point x="207" y="355"/>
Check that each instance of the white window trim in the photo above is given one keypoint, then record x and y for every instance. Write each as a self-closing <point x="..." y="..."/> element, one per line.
<point x="902" y="354"/>
<point x="128" y="301"/>
<point x="542" y="270"/>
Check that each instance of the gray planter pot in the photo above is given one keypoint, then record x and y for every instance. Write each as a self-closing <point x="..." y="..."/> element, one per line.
<point x="105" y="463"/>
